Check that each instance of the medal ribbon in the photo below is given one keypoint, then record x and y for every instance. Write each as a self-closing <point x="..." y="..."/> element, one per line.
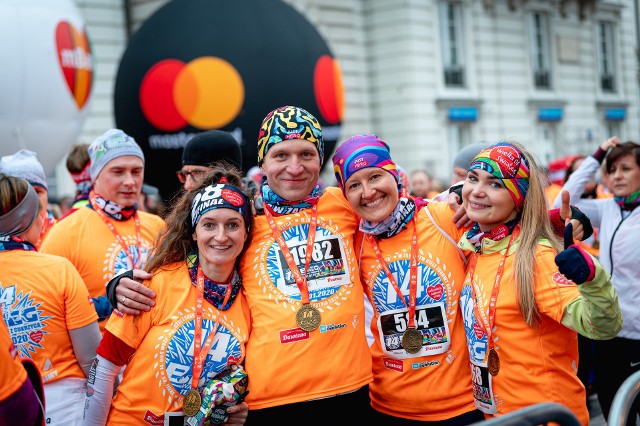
<point x="494" y="292"/>
<point x="114" y="231"/>
<point x="301" y="281"/>
<point x="200" y="352"/>
<point x="413" y="272"/>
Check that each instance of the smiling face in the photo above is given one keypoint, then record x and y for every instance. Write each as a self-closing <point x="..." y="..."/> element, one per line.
<point x="486" y="200"/>
<point x="372" y="193"/>
<point x="292" y="168"/>
<point x="120" y="181"/>
<point x="220" y="235"/>
<point x="624" y="176"/>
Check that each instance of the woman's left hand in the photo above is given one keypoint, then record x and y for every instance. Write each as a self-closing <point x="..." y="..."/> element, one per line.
<point x="237" y="414"/>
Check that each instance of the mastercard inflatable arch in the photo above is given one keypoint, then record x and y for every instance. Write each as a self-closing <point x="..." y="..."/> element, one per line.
<point x="47" y="76"/>
<point x="196" y="65"/>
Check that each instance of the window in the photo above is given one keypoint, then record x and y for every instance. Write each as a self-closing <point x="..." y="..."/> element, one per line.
<point x="606" y="53"/>
<point x="452" y="43"/>
<point x="540" y="51"/>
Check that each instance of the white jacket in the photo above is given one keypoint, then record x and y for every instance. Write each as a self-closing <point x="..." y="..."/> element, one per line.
<point x="619" y="235"/>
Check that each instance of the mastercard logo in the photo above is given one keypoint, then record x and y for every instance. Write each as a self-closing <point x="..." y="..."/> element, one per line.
<point x="74" y="56"/>
<point x="208" y="93"/>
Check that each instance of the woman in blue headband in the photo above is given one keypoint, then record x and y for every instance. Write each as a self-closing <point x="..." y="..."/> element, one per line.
<point x="184" y="357"/>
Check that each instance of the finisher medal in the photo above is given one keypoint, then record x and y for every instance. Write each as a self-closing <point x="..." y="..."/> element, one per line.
<point x="412" y="340"/>
<point x="191" y="403"/>
<point x="308" y="317"/>
<point x="493" y="362"/>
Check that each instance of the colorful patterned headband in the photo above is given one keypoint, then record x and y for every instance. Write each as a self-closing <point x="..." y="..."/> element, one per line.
<point x="220" y="196"/>
<point x="508" y="164"/>
<point x="359" y="152"/>
<point x="286" y="123"/>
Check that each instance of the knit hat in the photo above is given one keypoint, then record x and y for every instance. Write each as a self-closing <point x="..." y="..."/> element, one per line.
<point x="465" y="156"/>
<point x="212" y="146"/>
<point x="113" y="144"/>
<point x="359" y="152"/>
<point x="289" y="122"/>
<point x="508" y="164"/>
<point x="24" y="164"/>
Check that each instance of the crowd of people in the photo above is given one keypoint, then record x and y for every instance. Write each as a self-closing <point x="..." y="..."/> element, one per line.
<point x="268" y="297"/>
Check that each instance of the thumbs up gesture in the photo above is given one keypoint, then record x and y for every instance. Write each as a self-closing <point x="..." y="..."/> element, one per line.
<point x="573" y="262"/>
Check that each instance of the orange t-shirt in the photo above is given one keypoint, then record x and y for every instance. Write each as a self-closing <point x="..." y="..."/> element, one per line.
<point x="12" y="374"/>
<point x="43" y="297"/>
<point x="158" y="374"/>
<point x="89" y="244"/>
<point x="433" y="384"/>
<point x="536" y="364"/>
<point x="286" y="364"/>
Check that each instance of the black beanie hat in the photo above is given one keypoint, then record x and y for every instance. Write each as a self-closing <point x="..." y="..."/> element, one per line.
<point x="212" y="146"/>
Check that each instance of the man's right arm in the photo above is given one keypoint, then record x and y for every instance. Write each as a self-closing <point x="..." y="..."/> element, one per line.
<point x="126" y="293"/>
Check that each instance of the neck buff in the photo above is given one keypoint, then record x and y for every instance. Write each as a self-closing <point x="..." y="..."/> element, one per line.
<point x="113" y="210"/>
<point x="8" y="243"/>
<point x="395" y="222"/>
<point x="278" y="206"/>
<point x="214" y="292"/>
<point x="629" y="202"/>
<point x="475" y="235"/>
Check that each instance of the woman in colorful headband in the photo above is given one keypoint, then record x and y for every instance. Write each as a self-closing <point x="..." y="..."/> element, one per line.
<point x="618" y="221"/>
<point x="521" y="311"/>
<point x="183" y="355"/>
<point x="47" y="306"/>
<point x="412" y="272"/>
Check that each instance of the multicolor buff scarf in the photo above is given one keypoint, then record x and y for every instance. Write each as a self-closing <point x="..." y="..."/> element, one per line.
<point x="393" y="224"/>
<point x="111" y="209"/>
<point x="629" y="202"/>
<point x="508" y="164"/>
<point x="8" y="243"/>
<point x="475" y="235"/>
<point x="278" y="206"/>
<point x="214" y="292"/>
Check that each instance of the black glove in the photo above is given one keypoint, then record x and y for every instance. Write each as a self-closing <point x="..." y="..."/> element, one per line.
<point x="457" y="189"/>
<point x="111" y="286"/>
<point x="584" y="219"/>
<point x="573" y="262"/>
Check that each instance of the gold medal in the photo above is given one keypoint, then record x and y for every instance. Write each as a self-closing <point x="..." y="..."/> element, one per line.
<point x="191" y="403"/>
<point x="308" y="317"/>
<point x="412" y="340"/>
<point x="493" y="362"/>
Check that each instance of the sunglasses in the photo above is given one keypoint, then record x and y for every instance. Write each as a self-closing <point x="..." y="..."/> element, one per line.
<point x="195" y="175"/>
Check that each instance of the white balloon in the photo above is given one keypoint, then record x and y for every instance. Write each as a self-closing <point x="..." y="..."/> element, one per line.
<point x="40" y="108"/>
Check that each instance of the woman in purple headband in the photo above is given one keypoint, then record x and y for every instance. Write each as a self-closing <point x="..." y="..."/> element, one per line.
<point x="524" y="298"/>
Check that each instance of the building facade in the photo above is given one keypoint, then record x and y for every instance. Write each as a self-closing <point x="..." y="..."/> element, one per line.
<point x="430" y="76"/>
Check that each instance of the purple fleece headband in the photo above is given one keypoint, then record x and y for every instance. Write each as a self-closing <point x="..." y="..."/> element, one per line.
<point x="359" y="152"/>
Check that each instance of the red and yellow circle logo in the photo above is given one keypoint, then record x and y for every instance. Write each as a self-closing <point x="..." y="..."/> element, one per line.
<point x="174" y="94"/>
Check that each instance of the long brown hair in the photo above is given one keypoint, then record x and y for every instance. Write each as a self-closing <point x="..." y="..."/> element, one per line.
<point x="174" y="242"/>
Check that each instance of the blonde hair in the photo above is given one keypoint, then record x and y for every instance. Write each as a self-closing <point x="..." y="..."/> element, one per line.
<point x="535" y="225"/>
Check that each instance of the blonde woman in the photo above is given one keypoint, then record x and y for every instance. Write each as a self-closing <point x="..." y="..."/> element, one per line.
<point x="524" y="298"/>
